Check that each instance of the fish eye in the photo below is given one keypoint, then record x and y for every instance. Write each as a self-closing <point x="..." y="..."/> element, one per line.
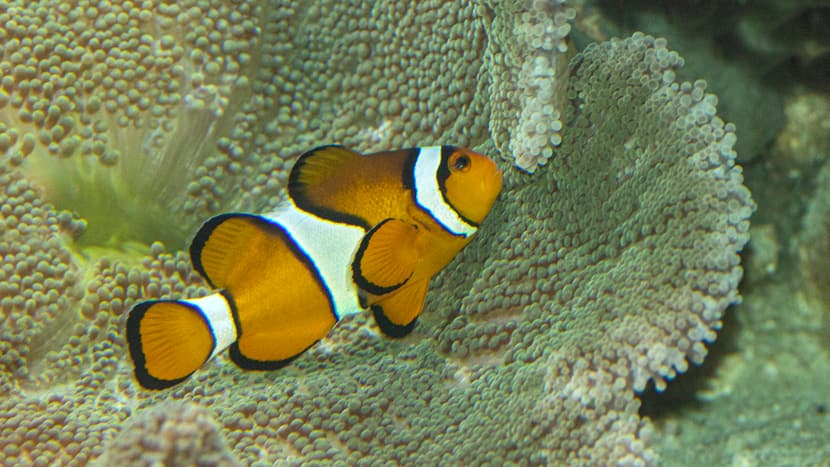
<point x="461" y="163"/>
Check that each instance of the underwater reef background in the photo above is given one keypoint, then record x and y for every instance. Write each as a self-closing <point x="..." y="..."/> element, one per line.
<point x="574" y="330"/>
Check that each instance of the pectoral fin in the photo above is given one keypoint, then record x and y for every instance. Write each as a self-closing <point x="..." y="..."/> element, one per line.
<point x="386" y="257"/>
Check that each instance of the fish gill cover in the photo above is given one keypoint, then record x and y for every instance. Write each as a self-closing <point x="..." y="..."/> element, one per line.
<point x="124" y="123"/>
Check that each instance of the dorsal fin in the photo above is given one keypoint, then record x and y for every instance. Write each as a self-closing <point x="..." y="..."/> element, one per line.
<point x="318" y="168"/>
<point x="322" y="182"/>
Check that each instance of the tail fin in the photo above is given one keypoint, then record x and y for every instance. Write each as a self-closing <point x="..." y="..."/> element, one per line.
<point x="169" y="340"/>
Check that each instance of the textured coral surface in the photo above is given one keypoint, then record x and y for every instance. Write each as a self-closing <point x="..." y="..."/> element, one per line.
<point x="765" y="390"/>
<point x="125" y="124"/>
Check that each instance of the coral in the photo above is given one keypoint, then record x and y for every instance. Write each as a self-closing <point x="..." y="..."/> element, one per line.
<point x="618" y="261"/>
<point x="814" y="249"/>
<point x="765" y="33"/>
<point x="643" y="200"/>
<point x="79" y="383"/>
<point x="466" y="68"/>
<point x="699" y="30"/>
<point x="215" y="98"/>
<point x="172" y="433"/>
<point x="113" y="287"/>
<point x="56" y="304"/>
<point x="804" y="143"/>
<point x="765" y="251"/>
<point x="777" y="342"/>
<point x="66" y="427"/>
<point x="607" y="269"/>
<point x="61" y="341"/>
<point x="787" y="33"/>
<point x="527" y="57"/>
<point x="801" y="155"/>
<point x="95" y="93"/>
<point x="39" y="278"/>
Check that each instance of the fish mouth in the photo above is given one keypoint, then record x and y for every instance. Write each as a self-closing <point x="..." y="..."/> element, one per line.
<point x="491" y="186"/>
<point x="497" y="180"/>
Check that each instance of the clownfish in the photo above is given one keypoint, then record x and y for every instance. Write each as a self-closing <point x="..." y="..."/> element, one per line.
<point x="357" y="232"/>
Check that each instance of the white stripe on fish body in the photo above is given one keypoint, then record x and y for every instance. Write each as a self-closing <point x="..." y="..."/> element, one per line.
<point x="217" y="311"/>
<point x="330" y="246"/>
<point x="428" y="193"/>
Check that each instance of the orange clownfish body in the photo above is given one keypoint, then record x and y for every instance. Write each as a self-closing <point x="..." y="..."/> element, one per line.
<point x="358" y="231"/>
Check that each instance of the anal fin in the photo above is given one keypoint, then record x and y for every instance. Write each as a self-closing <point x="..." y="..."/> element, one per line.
<point x="397" y="313"/>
